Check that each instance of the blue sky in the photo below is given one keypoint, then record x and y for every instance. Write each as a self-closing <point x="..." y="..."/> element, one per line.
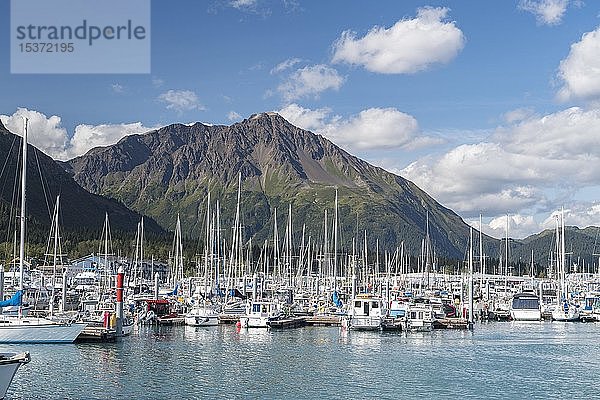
<point x="491" y="107"/>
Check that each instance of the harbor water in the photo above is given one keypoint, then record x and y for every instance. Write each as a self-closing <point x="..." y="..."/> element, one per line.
<point x="496" y="361"/>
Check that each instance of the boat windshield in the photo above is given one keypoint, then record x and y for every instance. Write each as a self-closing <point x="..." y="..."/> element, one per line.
<point x="526" y="303"/>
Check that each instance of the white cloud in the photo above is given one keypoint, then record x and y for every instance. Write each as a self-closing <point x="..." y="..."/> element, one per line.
<point x="47" y="134"/>
<point x="287" y="64"/>
<point x="305" y="118"/>
<point x="242" y="4"/>
<point x="571" y="134"/>
<point x="233" y="116"/>
<point x="409" y="46"/>
<point x="519" y="226"/>
<point x="373" y="128"/>
<point x="578" y="214"/>
<point x="86" y="137"/>
<point x="581" y="214"/>
<point x="547" y="12"/>
<point x="535" y="164"/>
<point x="310" y="81"/>
<point x="518" y="115"/>
<point x="580" y="71"/>
<point x="181" y="100"/>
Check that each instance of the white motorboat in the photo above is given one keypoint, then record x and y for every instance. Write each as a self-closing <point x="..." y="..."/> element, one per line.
<point x="420" y="317"/>
<point x="259" y="314"/>
<point x="525" y="306"/>
<point x="202" y="315"/>
<point x="366" y="313"/>
<point x="9" y="364"/>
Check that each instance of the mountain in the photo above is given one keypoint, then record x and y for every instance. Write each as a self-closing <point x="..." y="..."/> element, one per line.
<point x="170" y="171"/>
<point x="81" y="212"/>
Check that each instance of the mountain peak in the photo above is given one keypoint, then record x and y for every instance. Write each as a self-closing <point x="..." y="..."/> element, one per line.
<point x="172" y="169"/>
<point x="262" y="115"/>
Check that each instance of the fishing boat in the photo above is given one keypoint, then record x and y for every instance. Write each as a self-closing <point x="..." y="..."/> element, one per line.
<point x="259" y="313"/>
<point x="420" y="317"/>
<point x="365" y="313"/>
<point x="9" y="364"/>
<point x="525" y="306"/>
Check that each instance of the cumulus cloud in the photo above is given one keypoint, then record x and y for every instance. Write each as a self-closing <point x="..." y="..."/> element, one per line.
<point x="377" y="128"/>
<point x="518" y="115"/>
<point x="578" y="214"/>
<point x="580" y="71"/>
<point x="305" y="118"/>
<point x="47" y="134"/>
<point x="86" y="137"/>
<point x="547" y="12"/>
<point x="516" y="170"/>
<point x="519" y="226"/>
<point x="181" y="100"/>
<point x="409" y="46"/>
<point x="581" y="214"/>
<point x="373" y="128"/>
<point x="310" y="81"/>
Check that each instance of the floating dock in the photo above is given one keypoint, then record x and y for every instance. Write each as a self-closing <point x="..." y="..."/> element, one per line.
<point x="451" y="323"/>
<point x="288" y="323"/>
<point x="97" y="334"/>
<point x="228" y="318"/>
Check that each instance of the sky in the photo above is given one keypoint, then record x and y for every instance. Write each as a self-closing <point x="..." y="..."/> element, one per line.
<point x="492" y="107"/>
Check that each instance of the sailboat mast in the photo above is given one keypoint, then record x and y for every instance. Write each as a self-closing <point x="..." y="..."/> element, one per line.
<point x="335" y="242"/>
<point x="55" y="223"/>
<point x="562" y="254"/>
<point x="23" y="192"/>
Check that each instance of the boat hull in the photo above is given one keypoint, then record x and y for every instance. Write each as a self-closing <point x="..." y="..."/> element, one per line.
<point x="39" y="331"/>
<point x="9" y="364"/>
<point x="526" y="315"/>
<point x="359" y="323"/>
<point x="254" y="322"/>
<point x="202" y="319"/>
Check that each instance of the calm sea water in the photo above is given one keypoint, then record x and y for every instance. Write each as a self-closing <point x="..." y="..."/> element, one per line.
<point x="496" y="361"/>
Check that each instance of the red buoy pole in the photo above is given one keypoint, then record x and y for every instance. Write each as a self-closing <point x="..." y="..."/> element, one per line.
<point x="120" y="279"/>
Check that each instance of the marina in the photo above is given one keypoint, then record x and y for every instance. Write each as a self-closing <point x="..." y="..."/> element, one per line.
<point x="250" y="199"/>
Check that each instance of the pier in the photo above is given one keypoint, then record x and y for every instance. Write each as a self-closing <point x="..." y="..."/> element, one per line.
<point x="97" y="334"/>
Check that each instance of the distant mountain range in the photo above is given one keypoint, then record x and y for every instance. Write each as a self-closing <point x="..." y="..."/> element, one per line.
<point x="171" y="170"/>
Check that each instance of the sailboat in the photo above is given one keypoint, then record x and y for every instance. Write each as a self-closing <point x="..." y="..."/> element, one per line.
<point x="565" y="309"/>
<point x="203" y="313"/>
<point x="25" y="329"/>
